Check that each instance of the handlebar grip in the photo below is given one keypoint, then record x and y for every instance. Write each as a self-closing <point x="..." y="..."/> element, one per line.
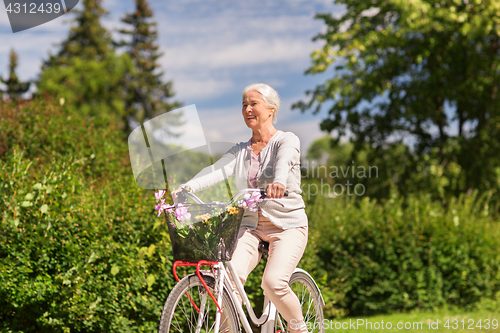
<point x="263" y="193"/>
<point x="182" y="196"/>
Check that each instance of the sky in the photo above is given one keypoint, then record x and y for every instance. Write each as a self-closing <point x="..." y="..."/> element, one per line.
<point x="211" y="51"/>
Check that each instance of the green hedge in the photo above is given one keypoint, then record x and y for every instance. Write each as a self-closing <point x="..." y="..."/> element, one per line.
<point x="80" y="247"/>
<point x="403" y="254"/>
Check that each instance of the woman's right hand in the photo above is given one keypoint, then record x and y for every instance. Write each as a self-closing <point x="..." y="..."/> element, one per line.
<point x="174" y="195"/>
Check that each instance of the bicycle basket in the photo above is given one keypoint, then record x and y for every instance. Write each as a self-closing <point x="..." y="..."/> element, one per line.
<point x="204" y="232"/>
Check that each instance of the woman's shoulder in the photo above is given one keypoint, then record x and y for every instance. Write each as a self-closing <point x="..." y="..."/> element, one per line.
<point x="288" y="137"/>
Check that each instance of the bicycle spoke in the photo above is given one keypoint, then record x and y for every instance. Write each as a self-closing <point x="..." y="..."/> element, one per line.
<point x="202" y="312"/>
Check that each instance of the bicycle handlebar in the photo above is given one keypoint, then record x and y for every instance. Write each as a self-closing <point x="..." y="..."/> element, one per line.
<point x="182" y="197"/>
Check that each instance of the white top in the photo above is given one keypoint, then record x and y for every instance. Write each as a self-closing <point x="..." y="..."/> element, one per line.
<point x="279" y="163"/>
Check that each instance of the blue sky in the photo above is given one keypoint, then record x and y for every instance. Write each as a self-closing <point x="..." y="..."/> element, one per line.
<point x="212" y="50"/>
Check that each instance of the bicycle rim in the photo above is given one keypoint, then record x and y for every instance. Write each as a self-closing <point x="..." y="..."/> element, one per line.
<point x="180" y="316"/>
<point x="309" y="297"/>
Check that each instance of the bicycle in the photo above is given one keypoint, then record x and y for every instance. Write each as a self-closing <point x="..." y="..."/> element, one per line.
<point x="205" y="301"/>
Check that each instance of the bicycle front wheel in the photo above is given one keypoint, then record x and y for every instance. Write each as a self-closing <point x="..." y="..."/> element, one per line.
<point x="310" y="300"/>
<point x="180" y="316"/>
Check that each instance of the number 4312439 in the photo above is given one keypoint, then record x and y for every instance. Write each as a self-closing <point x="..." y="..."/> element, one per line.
<point x="32" y="8"/>
<point x="471" y="324"/>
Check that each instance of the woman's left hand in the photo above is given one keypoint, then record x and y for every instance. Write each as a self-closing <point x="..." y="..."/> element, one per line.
<point x="275" y="191"/>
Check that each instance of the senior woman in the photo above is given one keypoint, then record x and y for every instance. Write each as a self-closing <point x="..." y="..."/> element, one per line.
<point x="271" y="160"/>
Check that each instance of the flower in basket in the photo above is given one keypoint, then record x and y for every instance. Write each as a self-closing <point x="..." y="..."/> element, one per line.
<point x="250" y="201"/>
<point x="205" y="218"/>
<point x="159" y="194"/>
<point x="232" y="210"/>
<point x="181" y="213"/>
<point x="163" y="206"/>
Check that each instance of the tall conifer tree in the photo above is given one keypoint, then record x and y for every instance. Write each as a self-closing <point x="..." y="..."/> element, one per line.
<point x="15" y="88"/>
<point x="87" y="39"/>
<point x="148" y="95"/>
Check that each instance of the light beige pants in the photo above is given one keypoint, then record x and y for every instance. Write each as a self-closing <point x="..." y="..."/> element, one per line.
<point x="286" y="247"/>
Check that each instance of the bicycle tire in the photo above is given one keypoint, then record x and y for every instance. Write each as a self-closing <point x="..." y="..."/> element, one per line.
<point x="310" y="300"/>
<point x="179" y="315"/>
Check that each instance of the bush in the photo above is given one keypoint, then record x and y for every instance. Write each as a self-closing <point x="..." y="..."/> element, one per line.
<point x="400" y="254"/>
<point x="80" y="247"/>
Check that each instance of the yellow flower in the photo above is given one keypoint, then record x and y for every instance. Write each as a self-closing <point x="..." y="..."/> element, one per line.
<point x="232" y="210"/>
<point x="205" y="218"/>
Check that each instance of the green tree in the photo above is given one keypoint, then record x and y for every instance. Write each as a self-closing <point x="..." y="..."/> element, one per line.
<point x="87" y="39"/>
<point x="86" y="70"/>
<point x="15" y="88"/>
<point x="413" y="70"/>
<point x="147" y="94"/>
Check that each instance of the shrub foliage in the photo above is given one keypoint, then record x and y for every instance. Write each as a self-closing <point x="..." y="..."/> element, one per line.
<point x="405" y="253"/>
<point x="80" y="247"/>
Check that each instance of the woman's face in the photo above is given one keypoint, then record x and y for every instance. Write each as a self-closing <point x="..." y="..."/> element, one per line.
<point x="256" y="112"/>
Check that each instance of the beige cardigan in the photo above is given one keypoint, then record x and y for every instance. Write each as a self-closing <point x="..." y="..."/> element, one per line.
<point x="279" y="163"/>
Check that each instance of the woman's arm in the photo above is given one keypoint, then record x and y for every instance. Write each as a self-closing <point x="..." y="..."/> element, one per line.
<point x="287" y="156"/>
<point x="213" y="174"/>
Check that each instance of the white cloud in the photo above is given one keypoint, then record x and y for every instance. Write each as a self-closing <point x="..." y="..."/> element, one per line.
<point x="248" y="53"/>
<point x="191" y="88"/>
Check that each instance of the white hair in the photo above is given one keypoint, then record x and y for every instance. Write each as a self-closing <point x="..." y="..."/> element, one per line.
<point x="270" y="96"/>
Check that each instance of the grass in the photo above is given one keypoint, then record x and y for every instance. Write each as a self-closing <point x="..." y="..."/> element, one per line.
<point x="422" y="322"/>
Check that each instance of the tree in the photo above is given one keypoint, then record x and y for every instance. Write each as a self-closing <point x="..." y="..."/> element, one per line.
<point x="87" y="39"/>
<point x="86" y="71"/>
<point x="15" y="88"/>
<point x="147" y="94"/>
<point x="413" y="70"/>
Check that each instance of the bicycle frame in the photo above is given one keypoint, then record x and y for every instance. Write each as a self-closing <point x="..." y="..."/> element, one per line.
<point x="221" y="269"/>
<point x="267" y="320"/>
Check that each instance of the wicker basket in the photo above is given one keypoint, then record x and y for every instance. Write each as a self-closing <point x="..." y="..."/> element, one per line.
<point x="209" y="233"/>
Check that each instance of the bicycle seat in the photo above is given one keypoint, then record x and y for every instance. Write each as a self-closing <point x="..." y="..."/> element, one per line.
<point x="264" y="248"/>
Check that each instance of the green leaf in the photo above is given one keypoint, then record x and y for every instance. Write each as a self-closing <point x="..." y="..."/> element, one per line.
<point x="115" y="269"/>
<point x="37" y="186"/>
<point x="26" y="204"/>
<point x="151" y="250"/>
<point x="157" y="224"/>
<point x="150" y="280"/>
<point x="44" y="208"/>
<point x="29" y="196"/>
<point x="94" y="304"/>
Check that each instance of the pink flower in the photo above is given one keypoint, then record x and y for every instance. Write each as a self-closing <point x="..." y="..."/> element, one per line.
<point x="250" y="201"/>
<point x="163" y="206"/>
<point x="182" y="213"/>
<point x="159" y="194"/>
